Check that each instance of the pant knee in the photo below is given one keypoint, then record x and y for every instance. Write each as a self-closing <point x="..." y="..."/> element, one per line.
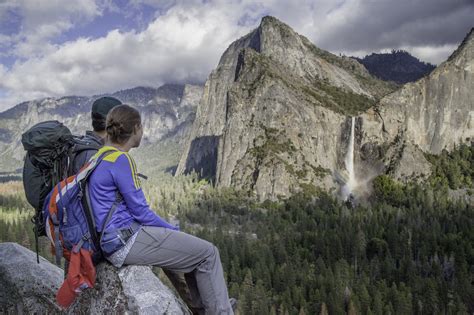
<point x="212" y="250"/>
<point x="216" y="250"/>
<point x="211" y="255"/>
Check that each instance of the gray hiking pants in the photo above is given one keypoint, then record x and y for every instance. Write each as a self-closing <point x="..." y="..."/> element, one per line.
<point x="198" y="259"/>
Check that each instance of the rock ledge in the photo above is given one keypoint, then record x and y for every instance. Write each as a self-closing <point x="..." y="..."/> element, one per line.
<point x="28" y="287"/>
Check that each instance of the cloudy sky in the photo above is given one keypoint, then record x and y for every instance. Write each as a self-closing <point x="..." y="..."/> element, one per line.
<point x="85" y="47"/>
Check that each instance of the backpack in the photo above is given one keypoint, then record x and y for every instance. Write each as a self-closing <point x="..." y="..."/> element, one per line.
<point x="71" y="228"/>
<point x="51" y="149"/>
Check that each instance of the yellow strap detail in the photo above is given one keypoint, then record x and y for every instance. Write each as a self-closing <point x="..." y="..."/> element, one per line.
<point x="112" y="157"/>
<point x="104" y="149"/>
<point x="133" y="167"/>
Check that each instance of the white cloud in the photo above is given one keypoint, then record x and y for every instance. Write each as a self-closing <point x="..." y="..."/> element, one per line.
<point x="376" y="25"/>
<point x="183" y="45"/>
<point x="432" y="54"/>
<point x="186" y="39"/>
<point x="43" y="21"/>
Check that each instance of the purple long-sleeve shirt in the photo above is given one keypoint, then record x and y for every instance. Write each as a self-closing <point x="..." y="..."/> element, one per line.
<point x="118" y="172"/>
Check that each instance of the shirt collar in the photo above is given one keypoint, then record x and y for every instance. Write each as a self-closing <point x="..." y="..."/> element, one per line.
<point x="95" y="137"/>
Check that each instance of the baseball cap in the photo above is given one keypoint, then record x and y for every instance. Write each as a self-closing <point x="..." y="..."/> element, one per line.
<point x="103" y="105"/>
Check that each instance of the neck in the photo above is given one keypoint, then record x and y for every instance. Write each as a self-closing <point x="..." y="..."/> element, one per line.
<point x="125" y="147"/>
<point x="102" y="134"/>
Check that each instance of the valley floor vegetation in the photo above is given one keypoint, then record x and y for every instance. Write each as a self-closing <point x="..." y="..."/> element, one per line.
<point x="409" y="251"/>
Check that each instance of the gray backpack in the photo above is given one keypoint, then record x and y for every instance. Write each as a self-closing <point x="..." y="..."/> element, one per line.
<point x="51" y="149"/>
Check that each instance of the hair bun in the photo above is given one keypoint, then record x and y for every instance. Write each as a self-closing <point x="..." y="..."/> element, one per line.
<point x="121" y="123"/>
<point x="114" y="125"/>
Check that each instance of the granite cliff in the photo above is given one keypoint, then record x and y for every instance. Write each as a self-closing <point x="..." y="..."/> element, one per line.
<point x="275" y="116"/>
<point x="432" y="114"/>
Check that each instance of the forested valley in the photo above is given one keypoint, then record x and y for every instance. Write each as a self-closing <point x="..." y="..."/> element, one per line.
<point x="407" y="250"/>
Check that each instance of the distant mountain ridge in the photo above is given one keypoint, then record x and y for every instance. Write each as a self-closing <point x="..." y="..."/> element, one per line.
<point x="167" y="113"/>
<point x="398" y="66"/>
<point x="138" y="96"/>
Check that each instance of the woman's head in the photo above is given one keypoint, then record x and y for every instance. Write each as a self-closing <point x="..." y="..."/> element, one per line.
<point x="124" y="125"/>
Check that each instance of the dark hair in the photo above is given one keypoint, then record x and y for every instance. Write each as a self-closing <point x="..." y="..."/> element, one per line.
<point x="121" y="122"/>
<point x="98" y="122"/>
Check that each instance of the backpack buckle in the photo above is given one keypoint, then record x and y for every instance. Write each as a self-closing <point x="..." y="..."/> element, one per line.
<point x="78" y="246"/>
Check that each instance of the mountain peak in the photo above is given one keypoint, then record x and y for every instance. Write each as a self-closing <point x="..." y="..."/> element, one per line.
<point x="272" y="32"/>
<point x="269" y="19"/>
<point x="276" y="41"/>
<point x="272" y="21"/>
<point x="269" y="34"/>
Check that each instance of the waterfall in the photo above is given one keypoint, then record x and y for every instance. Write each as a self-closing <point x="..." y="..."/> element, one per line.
<point x="349" y="186"/>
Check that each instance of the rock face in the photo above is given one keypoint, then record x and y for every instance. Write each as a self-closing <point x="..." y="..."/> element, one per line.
<point x="275" y="116"/>
<point x="25" y="286"/>
<point x="428" y="116"/>
<point x="167" y="112"/>
<point x="133" y="289"/>
<point x="28" y="287"/>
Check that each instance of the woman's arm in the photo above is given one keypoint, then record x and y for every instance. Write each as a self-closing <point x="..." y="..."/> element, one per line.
<point x="125" y="177"/>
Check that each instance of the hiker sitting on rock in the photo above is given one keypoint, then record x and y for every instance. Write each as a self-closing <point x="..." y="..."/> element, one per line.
<point x="88" y="146"/>
<point x="134" y="234"/>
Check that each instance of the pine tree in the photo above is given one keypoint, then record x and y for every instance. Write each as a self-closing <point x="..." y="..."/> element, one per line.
<point x="247" y="291"/>
<point x="388" y="309"/>
<point x="377" y="303"/>
<point x="364" y="299"/>
<point x="324" y="309"/>
<point x="351" y="309"/>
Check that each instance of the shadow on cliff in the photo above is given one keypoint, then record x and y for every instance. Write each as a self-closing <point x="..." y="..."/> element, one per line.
<point x="202" y="157"/>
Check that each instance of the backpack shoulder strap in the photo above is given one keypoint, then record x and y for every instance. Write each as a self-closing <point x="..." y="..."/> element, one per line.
<point x="118" y="199"/>
<point x="79" y="153"/>
<point x="101" y="155"/>
<point x="83" y="177"/>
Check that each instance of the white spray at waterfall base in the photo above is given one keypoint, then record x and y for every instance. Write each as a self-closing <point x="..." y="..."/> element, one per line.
<point x="351" y="182"/>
